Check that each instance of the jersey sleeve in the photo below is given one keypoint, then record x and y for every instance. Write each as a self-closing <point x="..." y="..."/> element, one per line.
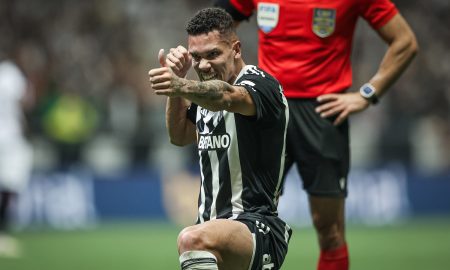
<point x="239" y="9"/>
<point x="266" y="93"/>
<point x="191" y="113"/>
<point x="378" y="12"/>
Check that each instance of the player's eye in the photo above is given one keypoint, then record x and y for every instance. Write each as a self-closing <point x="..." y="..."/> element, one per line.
<point x="196" y="58"/>
<point x="213" y="54"/>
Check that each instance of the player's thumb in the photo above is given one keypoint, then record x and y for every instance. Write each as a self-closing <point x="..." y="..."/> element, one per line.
<point x="162" y="58"/>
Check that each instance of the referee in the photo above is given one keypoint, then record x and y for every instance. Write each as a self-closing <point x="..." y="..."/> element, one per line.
<point x="306" y="45"/>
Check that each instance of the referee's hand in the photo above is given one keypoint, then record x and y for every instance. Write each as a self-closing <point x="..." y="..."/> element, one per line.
<point x="341" y="105"/>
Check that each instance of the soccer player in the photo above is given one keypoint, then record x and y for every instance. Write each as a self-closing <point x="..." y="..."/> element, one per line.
<point x="306" y="45"/>
<point x="15" y="152"/>
<point x="238" y="116"/>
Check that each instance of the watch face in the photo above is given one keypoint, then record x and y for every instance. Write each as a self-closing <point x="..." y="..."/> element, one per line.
<point x="367" y="91"/>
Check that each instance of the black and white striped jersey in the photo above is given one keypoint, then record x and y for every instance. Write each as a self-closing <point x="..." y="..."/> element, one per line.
<point x="242" y="157"/>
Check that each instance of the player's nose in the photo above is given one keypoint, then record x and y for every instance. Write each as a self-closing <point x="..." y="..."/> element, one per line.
<point x="204" y="64"/>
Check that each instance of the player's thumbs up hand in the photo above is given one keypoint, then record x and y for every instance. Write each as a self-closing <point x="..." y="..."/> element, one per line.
<point x="162" y="79"/>
<point x="162" y="58"/>
<point x="179" y="60"/>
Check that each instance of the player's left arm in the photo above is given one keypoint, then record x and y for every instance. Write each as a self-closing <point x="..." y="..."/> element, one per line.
<point x="402" y="49"/>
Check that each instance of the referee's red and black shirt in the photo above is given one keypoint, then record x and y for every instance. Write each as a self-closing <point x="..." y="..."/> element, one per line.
<point x="306" y="44"/>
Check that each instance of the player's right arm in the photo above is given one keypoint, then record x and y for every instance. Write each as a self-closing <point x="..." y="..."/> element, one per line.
<point x="181" y="130"/>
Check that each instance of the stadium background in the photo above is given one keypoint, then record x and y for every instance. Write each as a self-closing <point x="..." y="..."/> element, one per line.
<point x="109" y="192"/>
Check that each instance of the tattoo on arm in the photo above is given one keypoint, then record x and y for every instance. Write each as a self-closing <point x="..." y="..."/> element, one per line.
<point x="209" y="91"/>
<point x="213" y="95"/>
<point x="243" y="92"/>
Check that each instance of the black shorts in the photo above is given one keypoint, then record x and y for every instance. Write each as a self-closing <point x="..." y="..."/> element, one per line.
<point x="320" y="149"/>
<point x="271" y="236"/>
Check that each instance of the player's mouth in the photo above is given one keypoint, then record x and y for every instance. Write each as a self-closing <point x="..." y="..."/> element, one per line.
<point x="207" y="77"/>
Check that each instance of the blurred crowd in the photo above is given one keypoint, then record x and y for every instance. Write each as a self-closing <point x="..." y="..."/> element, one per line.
<point x="89" y="101"/>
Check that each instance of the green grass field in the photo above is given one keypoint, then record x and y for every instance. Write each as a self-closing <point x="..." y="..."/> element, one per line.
<point x="416" y="245"/>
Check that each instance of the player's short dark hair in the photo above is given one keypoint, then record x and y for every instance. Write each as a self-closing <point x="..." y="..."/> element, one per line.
<point x="208" y="20"/>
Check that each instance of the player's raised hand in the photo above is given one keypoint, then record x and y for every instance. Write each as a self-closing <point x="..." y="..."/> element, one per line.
<point x="162" y="58"/>
<point x="179" y="60"/>
<point x="162" y="79"/>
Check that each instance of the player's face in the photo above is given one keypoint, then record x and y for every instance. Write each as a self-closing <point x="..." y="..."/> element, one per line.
<point x="214" y="57"/>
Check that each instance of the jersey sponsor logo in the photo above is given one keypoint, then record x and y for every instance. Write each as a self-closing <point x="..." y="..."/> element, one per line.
<point x="214" y="142"/>
<point x="324" y="22"/>
<point x="268" y="14"/>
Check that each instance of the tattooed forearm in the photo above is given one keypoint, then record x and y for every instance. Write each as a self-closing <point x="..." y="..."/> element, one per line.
<point x="216" y="95"/>
<point x="209" y="91"/>
<point x="212" y="95"/>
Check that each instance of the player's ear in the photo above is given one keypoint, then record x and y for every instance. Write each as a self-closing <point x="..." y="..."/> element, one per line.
<point x="237" y="49"/>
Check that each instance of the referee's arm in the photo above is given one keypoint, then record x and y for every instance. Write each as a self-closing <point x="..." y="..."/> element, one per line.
<point x="402" y="49"/>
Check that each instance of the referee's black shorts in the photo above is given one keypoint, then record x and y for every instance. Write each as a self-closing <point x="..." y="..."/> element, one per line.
<point x="320" y="149"/>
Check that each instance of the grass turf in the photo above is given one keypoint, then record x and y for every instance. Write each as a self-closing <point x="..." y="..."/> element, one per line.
<point x="416" y="245"/>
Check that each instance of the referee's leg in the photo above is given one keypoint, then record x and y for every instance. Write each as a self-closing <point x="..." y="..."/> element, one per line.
<point x="328" y="217"/>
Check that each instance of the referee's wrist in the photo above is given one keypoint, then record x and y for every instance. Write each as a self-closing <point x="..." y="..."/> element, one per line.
<point x="368" y="92"/>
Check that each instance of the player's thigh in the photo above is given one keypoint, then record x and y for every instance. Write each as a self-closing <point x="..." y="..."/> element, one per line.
<point x="229" y="240"/>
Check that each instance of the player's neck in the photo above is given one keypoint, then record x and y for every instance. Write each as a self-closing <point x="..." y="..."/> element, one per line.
<point x="239" y="65"/>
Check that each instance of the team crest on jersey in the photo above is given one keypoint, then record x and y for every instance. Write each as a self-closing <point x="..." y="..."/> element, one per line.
<point x="324" y="22"/>
<point x="267" y="17"/>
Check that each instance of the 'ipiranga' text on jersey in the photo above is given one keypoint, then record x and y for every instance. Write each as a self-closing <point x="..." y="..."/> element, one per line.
<point x="242" y="157"/>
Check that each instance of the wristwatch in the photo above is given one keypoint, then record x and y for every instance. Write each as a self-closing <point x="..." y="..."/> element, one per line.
<point x="368" y="92"/>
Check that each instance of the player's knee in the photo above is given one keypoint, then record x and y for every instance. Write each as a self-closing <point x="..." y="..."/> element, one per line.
<point x="331" y="240"/>
<point x="190" y="239"/>
<point x="331" y="235"/>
